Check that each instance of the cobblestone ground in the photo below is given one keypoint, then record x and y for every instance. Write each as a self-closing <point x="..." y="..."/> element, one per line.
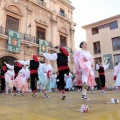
<point x="39" y="108"/>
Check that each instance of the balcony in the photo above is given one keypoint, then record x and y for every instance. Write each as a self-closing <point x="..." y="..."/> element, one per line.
<point x="41" y="3"/>
<point x="26" y="37"/>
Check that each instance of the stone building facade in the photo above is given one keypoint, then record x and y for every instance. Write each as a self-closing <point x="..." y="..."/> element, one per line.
<point x="50" y="20"/>
<point x="103" y="38"/>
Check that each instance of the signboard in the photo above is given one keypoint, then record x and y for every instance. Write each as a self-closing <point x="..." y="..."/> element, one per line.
<point x="43" y="46"/>
<point x="14" y="41"/>
<point x="107" y="58"/>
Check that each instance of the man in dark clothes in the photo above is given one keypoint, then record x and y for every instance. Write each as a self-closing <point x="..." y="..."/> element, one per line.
<point x="3" y="71"/>
<point x="62" y="64"/>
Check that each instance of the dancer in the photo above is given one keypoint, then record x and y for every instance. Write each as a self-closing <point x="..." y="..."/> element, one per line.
<point x="9" y="77"/>
<point x="101" y="69"/>
<point x="44" y="72"/>
<point x="83" y="69"/>
<point x="34" y="64"/>
<point x="3" y="71"/>
<point x="69" y="82"/>
<point x="117" y="74"/>
<point x="17" y="68"/>
<point x="62" y="64"/>
<point x="20" y="81"/>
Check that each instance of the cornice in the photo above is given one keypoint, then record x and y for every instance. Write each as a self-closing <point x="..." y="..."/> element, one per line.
<point x="67" y="4"/>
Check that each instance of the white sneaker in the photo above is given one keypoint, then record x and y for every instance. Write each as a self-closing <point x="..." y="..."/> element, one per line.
<point x="85" y="98"/>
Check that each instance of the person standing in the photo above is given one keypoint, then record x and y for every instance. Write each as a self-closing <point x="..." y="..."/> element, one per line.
<point x="83" y="69"/>
<point x="9" y="77"/>
<point x="3" y="71"/>
<point x="53" y="82"/>
<point x="117" y="74"/>
<point x="68" y="80"/>
<point x="62" y="64"/>
<point x="101" y="70"/>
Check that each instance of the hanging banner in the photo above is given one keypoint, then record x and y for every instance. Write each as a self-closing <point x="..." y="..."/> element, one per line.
<point x="107" y="59"/>
<point x="43" y="46"/>
<point x="14" y="41"/>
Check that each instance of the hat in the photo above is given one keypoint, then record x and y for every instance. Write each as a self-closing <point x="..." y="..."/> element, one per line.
<point x="114" y="101"/>
<point x="35" y="58"/>
<point x="64" y="51"/>
<point x="19" y="65"/>
<point x="84" y="108"/>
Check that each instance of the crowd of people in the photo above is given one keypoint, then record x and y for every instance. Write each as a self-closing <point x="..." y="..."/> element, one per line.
<point x="15" y="79"/>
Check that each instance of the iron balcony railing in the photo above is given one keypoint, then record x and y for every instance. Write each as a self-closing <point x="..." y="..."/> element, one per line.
<point x="27" y="37"/>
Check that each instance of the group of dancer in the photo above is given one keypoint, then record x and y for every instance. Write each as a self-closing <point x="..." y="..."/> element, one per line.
<point x="17" y="76"/>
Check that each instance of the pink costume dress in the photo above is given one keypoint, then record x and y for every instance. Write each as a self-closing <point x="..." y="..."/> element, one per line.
<point x="20" y="81"/>
<point x="83" y="69"/>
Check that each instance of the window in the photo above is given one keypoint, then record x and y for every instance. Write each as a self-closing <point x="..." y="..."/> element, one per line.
<point x="97" y="48"/>
<point x="95" y="30"/>
<point x="116" y="58"/>
<point x="11" y="24"/>
<point x="62" y="13"/>
<point x="63" y="41"/>
<point x="40" y="34"/>
<point x="116" y="43"/>
<point x="113" y="25"/>
<point x="99" y="59"/>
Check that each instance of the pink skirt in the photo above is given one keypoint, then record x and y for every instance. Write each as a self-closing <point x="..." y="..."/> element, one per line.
<point x="20" y="83"/>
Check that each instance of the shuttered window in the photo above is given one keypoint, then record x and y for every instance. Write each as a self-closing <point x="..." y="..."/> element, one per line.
<point x="40" y="34"/>
<point x="11" y="24"/>
<point x="63" y="41"/>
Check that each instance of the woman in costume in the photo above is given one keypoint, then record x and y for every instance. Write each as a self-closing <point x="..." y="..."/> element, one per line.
<point x="117" y="74"/>
<point x="101" y="70"/>
<point x="9" y="77"/>
<point x="21" y="81"/>
<point x="83" y="69"/>
<point x="44" y="73"/>
<point x="68" y="80"/>
<point x="53" y="82"/>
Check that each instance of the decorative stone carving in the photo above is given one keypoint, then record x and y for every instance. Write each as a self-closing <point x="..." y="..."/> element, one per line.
<point x="41" y="21"/>
<point x="63" y="30"/>
<point x="13" y="9"/>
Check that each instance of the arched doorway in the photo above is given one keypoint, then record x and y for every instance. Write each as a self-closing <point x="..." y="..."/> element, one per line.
<point x="9" y="59"/>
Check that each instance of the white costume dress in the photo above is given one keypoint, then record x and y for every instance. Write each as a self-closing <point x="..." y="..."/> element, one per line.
<point x="117" y="73"/>
<point x="44" y="75"/>
<point x="53" y="81"/>
<point x="68" y="80"/>
<point x="9" y="77"/>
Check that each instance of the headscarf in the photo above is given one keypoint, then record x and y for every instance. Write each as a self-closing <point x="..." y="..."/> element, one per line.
<point x="19" y="65"/>
<point x="35" y="58"/>
<point x="64" y="51"/>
